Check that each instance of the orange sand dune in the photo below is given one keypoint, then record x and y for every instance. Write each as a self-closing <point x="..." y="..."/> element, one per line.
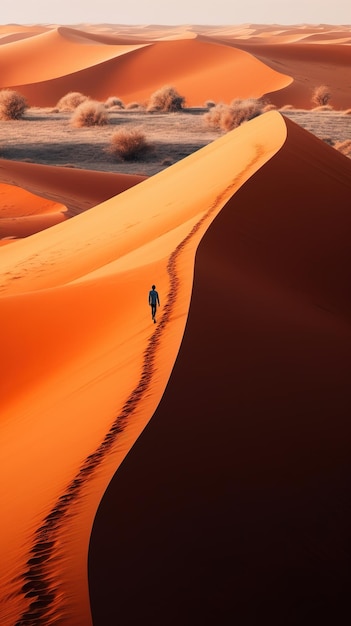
<point x="198" y="69"/>
<point x="61" y="192"/>
<point x="52" y="54"/>
<point x="233" y="505"/>
<point x="285" y="62"/>
<point x="85" y="368"/>
<point x="310" y="66"/>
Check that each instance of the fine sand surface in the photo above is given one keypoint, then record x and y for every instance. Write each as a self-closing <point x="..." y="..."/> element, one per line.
<point x="196" y="470"/>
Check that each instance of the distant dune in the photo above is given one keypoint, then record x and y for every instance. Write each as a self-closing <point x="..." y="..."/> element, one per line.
<point x="195" y="470"/>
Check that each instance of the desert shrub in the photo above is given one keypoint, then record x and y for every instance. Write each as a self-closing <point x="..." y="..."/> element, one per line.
<point x="325" y="107"/>
<point x="165" y="99"/>
<point x="209" y="104"/>
<point x="321" y="95"/>
<point x="269" y="107"/>
<point x="214" y="116"/>
<point x="134" y="105"/>
<point x="344" y="147"/>
<point x="89" y="113"/>
<point x="229" y="116"/>
<point x="114" y="102"/>
<point x="71" y="101"/>
<point x="128" y="144"/>
<point x="12" y="104"/>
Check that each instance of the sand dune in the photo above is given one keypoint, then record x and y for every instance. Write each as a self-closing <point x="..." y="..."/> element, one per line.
<point x="240" y="510"/>
<point x="61" y="193"/>
<point x="194" y="470"/>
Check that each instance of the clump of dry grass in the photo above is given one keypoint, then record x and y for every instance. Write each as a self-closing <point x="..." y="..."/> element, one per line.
<point x="89" y="113"/>
<point x="321" y="95"/>
<point x="209" y="104"/>
<point x="344" y="147"/>
<point x="134" y="106"/>
<point x="71" y="101"/>
<point x="165" y="99"/>
<point x="12" y="105"/>
<point x="113" y="101"/>
<point x="129" y="144"/>
<point x="229" y="116"/>
<point x="323" y="107"/>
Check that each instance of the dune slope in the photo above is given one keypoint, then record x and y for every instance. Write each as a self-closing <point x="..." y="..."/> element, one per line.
<point x="233" y="504"/>
<point x="85" y="368"/>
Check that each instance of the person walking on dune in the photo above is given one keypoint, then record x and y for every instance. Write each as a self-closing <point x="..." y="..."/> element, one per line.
<point x="154" y="300"/>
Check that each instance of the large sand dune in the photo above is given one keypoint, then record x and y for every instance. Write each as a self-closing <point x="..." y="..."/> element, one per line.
<point x="193" y="471"/>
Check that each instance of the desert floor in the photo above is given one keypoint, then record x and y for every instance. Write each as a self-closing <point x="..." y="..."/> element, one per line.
<point x="47" y="137"/>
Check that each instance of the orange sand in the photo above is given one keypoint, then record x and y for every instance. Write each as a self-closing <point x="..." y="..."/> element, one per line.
<point x="194" y="471"/>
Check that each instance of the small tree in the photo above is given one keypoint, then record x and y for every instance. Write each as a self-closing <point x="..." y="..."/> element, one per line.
<point x="166" y="99"/>
<point x="90" y="113"/>
<point x="321" y="95"/>
<point x="12" y="105"/>
<point x="128" y="145"/>
<point x="71" y="101"/>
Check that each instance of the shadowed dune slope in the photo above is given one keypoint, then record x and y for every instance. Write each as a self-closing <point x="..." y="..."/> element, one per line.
<point x="198" y="69"/>
<point x="233" y="505"/>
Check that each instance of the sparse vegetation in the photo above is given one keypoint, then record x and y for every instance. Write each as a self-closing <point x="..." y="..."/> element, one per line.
<point x="166" y="99"/>
<point x="129" y="144"/>
<point x="321" y="95"/>
<point x="134" y="105"/>
<point x="89" y="113"/>
<point x="229" y="116"/>
<point x="71" y="101"/>
<point x="12" y="105"/>
<point x="114" y="102"/>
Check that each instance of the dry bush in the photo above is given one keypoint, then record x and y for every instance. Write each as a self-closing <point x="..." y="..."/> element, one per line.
<point x="128" y="144"/>
<point x="229" y="116"/>
<point x="165" y="99"/>
<point x="112" y="101"/>
<point x="269" y="107"/>
<point x="325" y="107"/>
<point x="134" y="105"/>
<point x="321" y="95"/>
<point x="89" y="113"/>
<point x="209" y="104"/>
<point x="12" y="105"/>
<point x="344" y="147"/>
<point x="214" y="116"/>
<point x="71" y="101"/>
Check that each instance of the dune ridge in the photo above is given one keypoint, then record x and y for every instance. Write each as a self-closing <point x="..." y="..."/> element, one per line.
<point x="240" y="508"/>
<point x="103" y="320"/>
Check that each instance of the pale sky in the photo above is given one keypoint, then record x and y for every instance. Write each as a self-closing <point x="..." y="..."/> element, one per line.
<point x="179" y="12"/>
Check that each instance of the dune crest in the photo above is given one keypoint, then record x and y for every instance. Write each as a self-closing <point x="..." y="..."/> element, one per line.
<point x="87" y="366"/>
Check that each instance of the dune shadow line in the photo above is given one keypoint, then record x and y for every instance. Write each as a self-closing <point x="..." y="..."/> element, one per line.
<point x="37" y="582"/>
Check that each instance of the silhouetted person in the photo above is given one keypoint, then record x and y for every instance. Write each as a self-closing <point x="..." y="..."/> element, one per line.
<point x="154" y="300"/>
